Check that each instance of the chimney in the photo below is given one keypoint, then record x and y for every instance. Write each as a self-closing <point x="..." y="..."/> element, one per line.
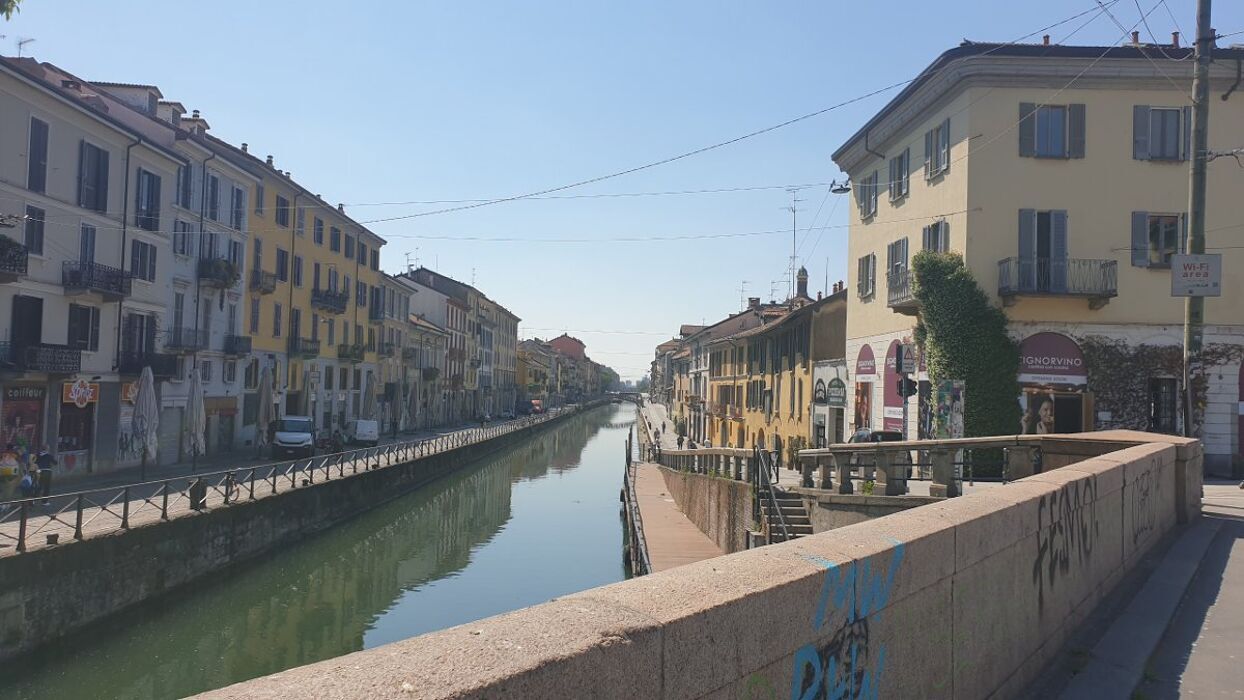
<point x="801" y="283"/>
<point x="341" y="207"/>
<point x="194" y="114"/>
<point x="753" y="302"/>
<point x="1135" y="38"/>
<point x="818" y="296"/>
<point x="1045" y="40"/>
<point x="270" y="165"/>
<point x="244" y="147"/>
<point x="1175" y="39"/>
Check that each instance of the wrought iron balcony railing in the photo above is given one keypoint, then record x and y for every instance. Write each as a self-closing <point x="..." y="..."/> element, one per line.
<point x="350" y="353"/>
<point x="132" y="362"/>
<point x="41" y="357"/>
<point x="263" y="282"/>
<point x="185" y="340"/>
<point x="375" y="313"/>
<point x="900" y="292"/>
<point x="237" y="345"/>
<point x="219" y="272"/>
<point x="333" y="302"/>
<point x="1096" y="280"/>
<point x="304" y="347"/>
<point x="14" y="260"/>
<point x="387" y="349"/>
<point x="111" y="283"/>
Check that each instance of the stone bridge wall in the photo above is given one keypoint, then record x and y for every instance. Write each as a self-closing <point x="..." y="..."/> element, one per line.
<point x="965" y="598"/>
<point x="720" y="507"/>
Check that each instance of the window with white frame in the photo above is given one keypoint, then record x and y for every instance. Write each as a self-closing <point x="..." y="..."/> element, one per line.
<point x="230" y="371"/>
<point x="866" y="195"/>
<point x="1161" y="133"/>
<point x="936" y="236"/>
<point x="866" y="275"/>
<point x="900" y="167"/>
<point x="937" y="150"/>
<point x="143" y="260"/>
<point x="205" y="370"/>
<point x="181" y="238"/>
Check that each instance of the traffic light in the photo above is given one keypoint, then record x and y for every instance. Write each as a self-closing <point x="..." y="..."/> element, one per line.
<point x="908" y="387"/>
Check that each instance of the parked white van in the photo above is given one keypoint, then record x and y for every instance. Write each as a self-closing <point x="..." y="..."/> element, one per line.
<point x="362" y="432"/>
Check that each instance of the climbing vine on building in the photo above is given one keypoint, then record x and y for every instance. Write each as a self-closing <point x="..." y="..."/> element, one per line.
<point x="963" y="336"/>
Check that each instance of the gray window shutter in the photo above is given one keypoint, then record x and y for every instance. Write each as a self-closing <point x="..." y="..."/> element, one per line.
<point x="928" y="154"/>
<point x="944" y="235"/>
<point x="945" y="144"/>
<point x="872" y="273"/>
<point x="1058" y="251"/>
<point x="1140" y="132"/>
<point x="1185" y="119"/>
<point x="1027" y="273"/>
<point x="1182" y="247"/>
<point x="81" y="173"/>
<point x="1027" y="133"/>
<point x="1075" y="131"/>
<point x="1140" y="239"/>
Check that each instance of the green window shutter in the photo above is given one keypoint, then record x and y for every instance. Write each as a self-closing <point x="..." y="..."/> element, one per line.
<point x="1140" y="239"/>
<point x="1140" y="132"/>
<point x="1027" y="132"/>
<point x="928" y="154"/>
<point x="1075" y="131"/>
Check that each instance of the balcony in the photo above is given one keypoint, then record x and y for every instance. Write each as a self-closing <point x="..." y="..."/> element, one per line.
<point x="132" y="362"/>
<point x="14" y="258"/>
<point x="40" y="357"/>
<point x="263" y="282"/>
<point x="387" y="349"/>
<point x="92" y="278"/>
<point x="350" y="353"/>
<point x="901" y="293"/>
<point x="185" y="340"/>
<point x="304" y="347"/>
<point x="330" y="301"/>
<point x="375" y="314"/>
<point x="1095" y="280"/>
<point x="237" y="345"/>
<point x="410" y="354"/>
<point x="219" y="272"/>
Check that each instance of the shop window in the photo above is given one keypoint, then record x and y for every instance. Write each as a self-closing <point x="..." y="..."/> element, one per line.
<point x="1163" y="401"/>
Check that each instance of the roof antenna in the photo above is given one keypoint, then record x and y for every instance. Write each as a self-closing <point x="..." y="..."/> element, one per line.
<point x="21" y="44"/>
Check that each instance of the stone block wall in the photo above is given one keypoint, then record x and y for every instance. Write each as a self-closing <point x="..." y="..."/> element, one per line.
<point x="720" y="507"/>
<point x="966" y="598"/>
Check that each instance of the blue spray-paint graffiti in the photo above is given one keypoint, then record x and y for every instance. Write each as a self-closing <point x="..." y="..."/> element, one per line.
<point x="849" y="664"/>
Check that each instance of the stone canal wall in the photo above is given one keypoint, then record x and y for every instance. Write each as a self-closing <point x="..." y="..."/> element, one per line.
<point x="830" y="511"/>
<point x="721" y="507"/>
<point x="969" y="598"/>
<point x="51" y="592"/>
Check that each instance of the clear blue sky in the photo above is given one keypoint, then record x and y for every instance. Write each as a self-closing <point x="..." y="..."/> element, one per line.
<point x="398" y="101"/>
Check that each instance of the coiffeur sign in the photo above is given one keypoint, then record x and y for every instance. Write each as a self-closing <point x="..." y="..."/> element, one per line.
<point x="1051" y="358"/>
<point x="80" y="393"/>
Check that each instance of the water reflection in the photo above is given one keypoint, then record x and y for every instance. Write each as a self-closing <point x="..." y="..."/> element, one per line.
<point x="531" y="524"/>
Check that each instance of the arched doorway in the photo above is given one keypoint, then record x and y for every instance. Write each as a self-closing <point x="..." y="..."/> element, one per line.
<point x="892" y="405"/>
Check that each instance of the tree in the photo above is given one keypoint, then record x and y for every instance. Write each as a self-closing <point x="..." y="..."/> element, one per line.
<point x="964" y="337"/>
<point x="8" y="8"/>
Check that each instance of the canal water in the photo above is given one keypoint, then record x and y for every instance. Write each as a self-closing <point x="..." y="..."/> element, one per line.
<point x="510" y="531"/>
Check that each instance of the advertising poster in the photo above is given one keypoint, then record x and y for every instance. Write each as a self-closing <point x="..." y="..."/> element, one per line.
<point x="21" y="421"/>
<point x="948" y="410"/>
<point x="863" y="405"/>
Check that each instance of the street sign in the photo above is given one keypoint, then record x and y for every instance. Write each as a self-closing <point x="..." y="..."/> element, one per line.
<point x="906" y="358"/>
<point x="1196" y="275"/>
<point x="836" y="393"/>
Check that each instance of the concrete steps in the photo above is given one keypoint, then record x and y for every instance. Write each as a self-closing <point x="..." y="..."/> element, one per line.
<point x="798" y="523"/>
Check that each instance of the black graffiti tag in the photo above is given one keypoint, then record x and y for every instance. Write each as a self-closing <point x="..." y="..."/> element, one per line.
<point x="1067" y="532"/>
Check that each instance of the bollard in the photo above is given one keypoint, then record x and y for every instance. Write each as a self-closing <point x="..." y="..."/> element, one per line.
<point x="894" y="467"/>
<point x="842" y="464"/>
<point x="826" y="468"/>
<point x="943" y="483"/>
<point x="805" y="472"/>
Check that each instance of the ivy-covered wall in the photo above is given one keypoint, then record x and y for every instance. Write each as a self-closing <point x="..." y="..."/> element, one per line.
<point x="964" y="336"/>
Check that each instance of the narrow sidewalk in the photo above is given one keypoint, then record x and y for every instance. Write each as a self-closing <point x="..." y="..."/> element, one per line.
<point x="673" y="540"/>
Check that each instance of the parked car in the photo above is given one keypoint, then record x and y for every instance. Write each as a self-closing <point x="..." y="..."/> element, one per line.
<point x="362" y="432"/>
<point x="292" y="436"/>
<point x="866" y="435"/>
<point x="508" y="415"/>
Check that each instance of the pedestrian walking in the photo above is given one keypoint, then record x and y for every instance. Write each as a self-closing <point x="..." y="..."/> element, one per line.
<point x="45" y="462"/>
<point x="29" y="485"/>
<point x="680" y="442"/>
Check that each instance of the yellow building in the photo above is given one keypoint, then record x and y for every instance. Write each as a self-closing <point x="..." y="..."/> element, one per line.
<point x="760" y="379"/>
<point x="1060" y="174"/>
<point x="314" y="306"/>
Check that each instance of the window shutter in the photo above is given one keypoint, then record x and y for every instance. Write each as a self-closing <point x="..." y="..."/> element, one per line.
<point x="75" y="340"/>
<point x="101" y="185"/>
<point x="1140" y="132"/>
<point x="93" y="340"/>
<point x="872" y="273"/>
<point x="1183" y="234"/>
<point x="928" y="154"/>
<point x="81" y="173"/>
<point x="924" y="238"/>
<point x="1075" y="131"/>
<point x="1058" y="250"/>
<point x="944" y="146"/>
<point x="1027" y="233"/>
<point x="1027" y="132"/>
<point x="943" y="235"/>
<point x="1140" y="239"/>
<point x="1186" y="119"/>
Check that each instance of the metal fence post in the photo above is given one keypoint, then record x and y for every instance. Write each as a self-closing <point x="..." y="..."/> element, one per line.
<point x="125" y="509"/>
<point x="21" y="527"/>
<point x="77" y="525"/>
<point x="163" y="507"/>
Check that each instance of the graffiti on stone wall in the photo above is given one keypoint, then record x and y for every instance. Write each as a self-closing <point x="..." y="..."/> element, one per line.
<point x="1067" y="532"/>
<point x="1144" y="504"/>
<point x="850" y="663"/>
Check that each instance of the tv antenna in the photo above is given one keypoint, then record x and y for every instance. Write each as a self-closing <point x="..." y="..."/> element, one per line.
<point x="21" y="44"/>
<point x="793" y="209"/>
<point x="742" y="295"/>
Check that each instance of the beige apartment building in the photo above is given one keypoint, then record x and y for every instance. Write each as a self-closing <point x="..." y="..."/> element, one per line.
<point x="1060" y="173"/>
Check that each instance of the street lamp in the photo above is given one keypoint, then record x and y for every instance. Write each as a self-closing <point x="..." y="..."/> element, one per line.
<point x="840" y="187"/>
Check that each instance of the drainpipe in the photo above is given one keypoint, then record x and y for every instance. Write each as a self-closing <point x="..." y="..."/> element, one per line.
<point x="125" y="230"/>
<point x="198" y="283"/>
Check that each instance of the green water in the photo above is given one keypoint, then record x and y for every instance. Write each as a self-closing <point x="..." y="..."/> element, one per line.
<point x="518" y="529"/>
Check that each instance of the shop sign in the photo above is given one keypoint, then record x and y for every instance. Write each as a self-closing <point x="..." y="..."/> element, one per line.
<point x="865" y="364"/>
<point x="1051" y="358"/>
<point x="129" y="392"/>
<point x="1196" y="275"/>
<point x="80" y="393"/>
<point x="21" y="419"/>
<point x="892" y="407"/>
<point x="836" y="393"/>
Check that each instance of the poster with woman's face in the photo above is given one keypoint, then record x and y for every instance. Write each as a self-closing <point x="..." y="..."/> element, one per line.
<point x="863" y="405"/>
<point x="1038" y="415"/>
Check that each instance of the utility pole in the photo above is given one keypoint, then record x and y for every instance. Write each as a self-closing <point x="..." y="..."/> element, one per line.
<point x="1194" y="306"/>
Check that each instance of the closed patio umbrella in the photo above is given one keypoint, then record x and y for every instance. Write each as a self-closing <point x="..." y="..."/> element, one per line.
<point x="195" y="424"/>
<point x="146" y="418"/>
<point x="266" y="412"/>
<point x="369" y="398"/>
